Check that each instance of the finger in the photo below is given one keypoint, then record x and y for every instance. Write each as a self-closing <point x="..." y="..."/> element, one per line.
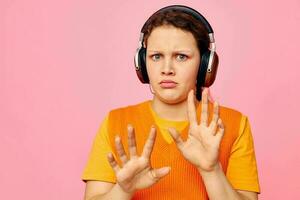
<point x="148" y="147"/>
<point x="204" y="107"/>
<point x="191" y="108"/>
<point x="221" y="130"/>
<point x="131" y="141"/>
<point x="120" y="150"/>
<point x="176" y="137"/>
<point x="113" y="163"/>
<point x="216" y="112"/>
<point x="214" y="123"/>
<point x="157" y="174"/>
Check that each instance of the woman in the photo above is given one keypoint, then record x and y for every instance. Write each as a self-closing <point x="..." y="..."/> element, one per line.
<point x="195" y="148"/>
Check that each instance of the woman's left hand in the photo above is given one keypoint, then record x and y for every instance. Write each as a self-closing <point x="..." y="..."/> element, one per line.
<point x="202" y="145"/>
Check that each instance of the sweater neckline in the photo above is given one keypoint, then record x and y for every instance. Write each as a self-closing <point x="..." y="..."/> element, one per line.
<point x="184" y="132"/>
<point x="154" y="114"/>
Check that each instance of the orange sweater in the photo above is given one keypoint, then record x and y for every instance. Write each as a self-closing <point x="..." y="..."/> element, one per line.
<point x="183" y="181"/>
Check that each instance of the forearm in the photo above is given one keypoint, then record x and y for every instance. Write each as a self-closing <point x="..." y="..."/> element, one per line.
<point x="217" y="185"/>
<point x="115" y="193"/>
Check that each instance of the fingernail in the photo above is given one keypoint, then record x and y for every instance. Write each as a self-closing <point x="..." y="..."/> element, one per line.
<point x="117" y="138"/>
<point x="129" y="127"/>
<point x="166" y="169"/>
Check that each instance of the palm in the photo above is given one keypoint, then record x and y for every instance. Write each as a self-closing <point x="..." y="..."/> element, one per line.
<point x="136" y="172"/>
<point x="195" y="146"/>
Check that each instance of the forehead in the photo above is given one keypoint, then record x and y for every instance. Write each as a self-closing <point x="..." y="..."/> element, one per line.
<point x="170" y="36"/>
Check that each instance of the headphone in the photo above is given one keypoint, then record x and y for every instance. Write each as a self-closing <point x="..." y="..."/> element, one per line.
<point x="209" y="59"/>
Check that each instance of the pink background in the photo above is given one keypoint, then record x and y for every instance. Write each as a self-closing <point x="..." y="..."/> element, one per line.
<point x="64" y="64"/>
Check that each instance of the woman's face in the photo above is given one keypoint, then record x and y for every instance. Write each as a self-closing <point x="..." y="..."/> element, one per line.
<point x="172" y="61"/>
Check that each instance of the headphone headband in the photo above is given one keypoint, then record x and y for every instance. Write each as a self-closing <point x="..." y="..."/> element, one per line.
<point x="189" y="11"/>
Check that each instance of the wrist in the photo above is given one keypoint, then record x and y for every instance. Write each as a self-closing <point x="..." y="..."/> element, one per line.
<point x="214" y="170"/>
<point x="124" y="193"/>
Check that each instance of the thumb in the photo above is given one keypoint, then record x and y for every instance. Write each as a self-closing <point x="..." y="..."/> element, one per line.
<point x="176" y="137"/>
<point x="157" y="174"/>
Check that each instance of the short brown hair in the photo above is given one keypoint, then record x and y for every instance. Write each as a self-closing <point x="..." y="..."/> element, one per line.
<point x="179" y="20"/>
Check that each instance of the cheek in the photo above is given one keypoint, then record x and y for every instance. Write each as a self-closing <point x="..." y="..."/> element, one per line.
<point x="189" y="76"/>
<point x="152" y="71"/>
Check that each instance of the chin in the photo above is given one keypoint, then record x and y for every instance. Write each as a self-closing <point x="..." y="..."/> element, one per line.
<point x="170" y="99"/>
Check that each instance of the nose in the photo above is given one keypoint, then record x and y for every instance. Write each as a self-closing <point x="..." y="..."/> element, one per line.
<point x="167" y="68"/>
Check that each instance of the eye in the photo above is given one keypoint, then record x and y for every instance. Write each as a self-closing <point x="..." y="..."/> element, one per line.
<point x="155" y="57"/>
<point x="181" y="57"/>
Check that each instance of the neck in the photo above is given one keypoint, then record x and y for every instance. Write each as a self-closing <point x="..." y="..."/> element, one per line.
<point x="172" y="112"/>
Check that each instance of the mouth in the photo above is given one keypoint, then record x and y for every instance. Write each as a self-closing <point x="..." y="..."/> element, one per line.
<point x="168" y="84"/>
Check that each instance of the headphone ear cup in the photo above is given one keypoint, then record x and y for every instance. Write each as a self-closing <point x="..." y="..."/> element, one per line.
<point x="141" y="69"/>
<point x="204" y="78"/>
<point x="211" y="76"/>
<point x="202" y="69"/>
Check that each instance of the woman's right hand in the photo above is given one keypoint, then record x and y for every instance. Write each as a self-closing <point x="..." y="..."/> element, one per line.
<point x="136" y="171"/>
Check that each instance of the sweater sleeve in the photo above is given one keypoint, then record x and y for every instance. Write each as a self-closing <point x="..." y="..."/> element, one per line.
<point x="242" y="169"/>
<point x="98" y="167"/>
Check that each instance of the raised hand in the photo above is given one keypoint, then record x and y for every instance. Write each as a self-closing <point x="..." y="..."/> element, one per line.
<point x="202" y="145"/>
<point x="136" y="171"/>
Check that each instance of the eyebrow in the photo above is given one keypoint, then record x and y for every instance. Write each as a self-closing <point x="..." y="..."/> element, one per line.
<point x="179" y="50"/>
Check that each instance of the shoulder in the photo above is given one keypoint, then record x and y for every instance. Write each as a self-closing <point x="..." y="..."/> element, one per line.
<point x="237" y="118"/>
<point x="229" y="112"/>
<point x="130" y="109"/>
<point x="234" y="119"/>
